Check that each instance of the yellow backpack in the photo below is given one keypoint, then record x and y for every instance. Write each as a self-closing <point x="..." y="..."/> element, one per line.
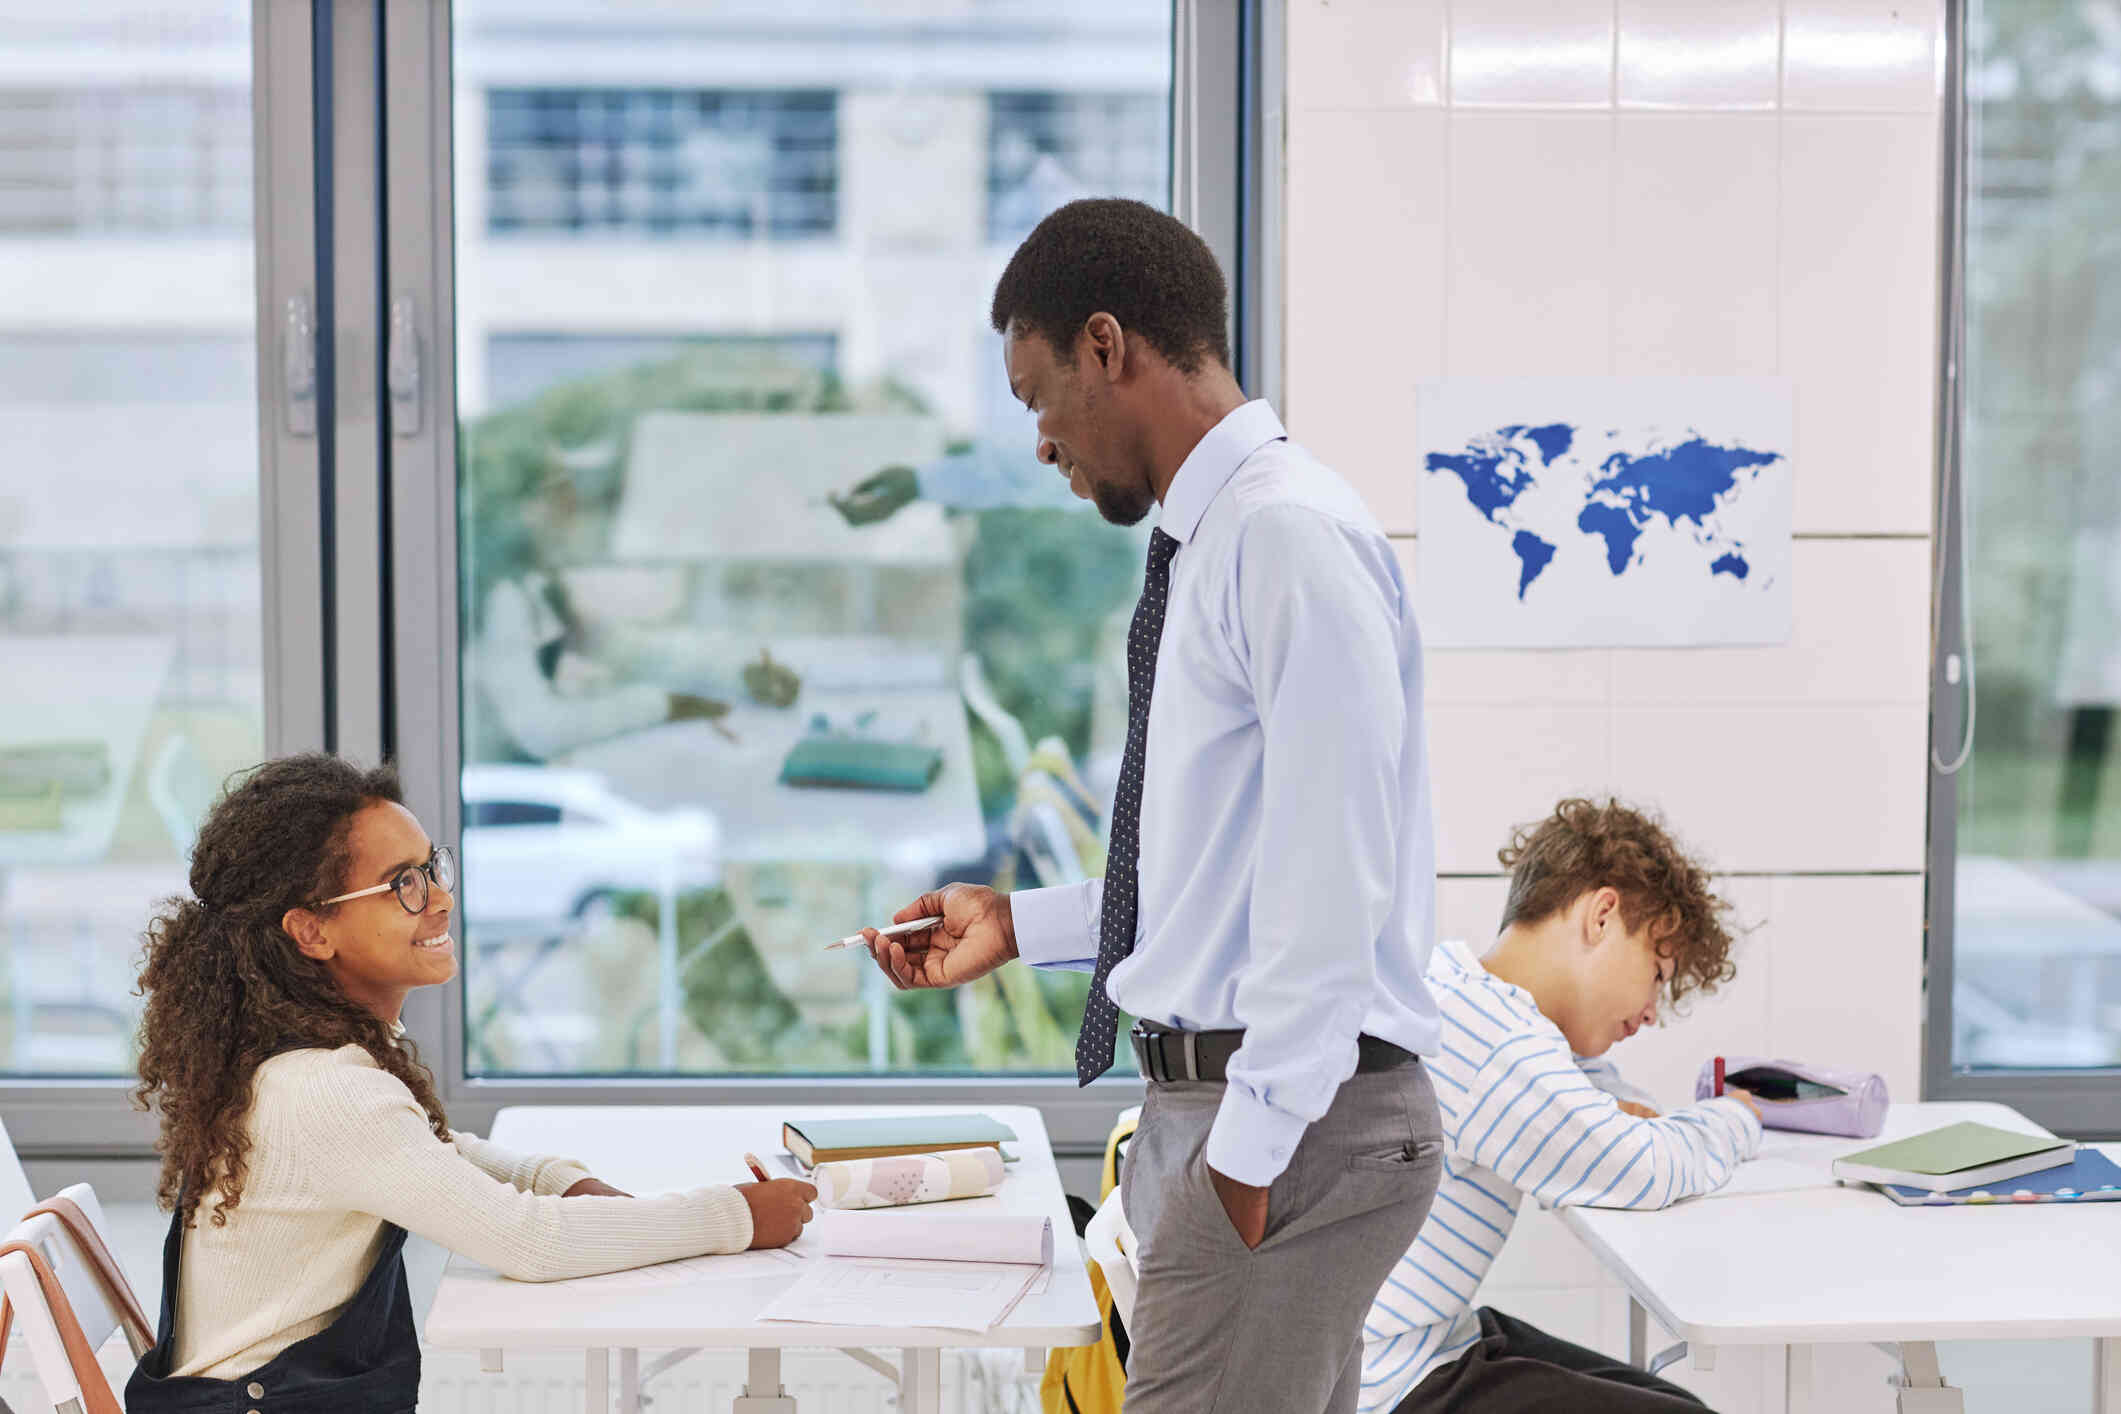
<point x="1092" y="1379"/>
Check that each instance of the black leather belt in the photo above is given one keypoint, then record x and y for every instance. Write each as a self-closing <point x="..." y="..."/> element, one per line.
<point x="1164" y="1054"/>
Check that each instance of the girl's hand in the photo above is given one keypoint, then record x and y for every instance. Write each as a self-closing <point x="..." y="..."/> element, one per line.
<point x="594" y="1188"/>
<point x="779" y="1208"/>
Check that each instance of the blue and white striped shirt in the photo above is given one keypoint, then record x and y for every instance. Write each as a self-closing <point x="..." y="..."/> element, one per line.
<point x="1522" y="1114"/>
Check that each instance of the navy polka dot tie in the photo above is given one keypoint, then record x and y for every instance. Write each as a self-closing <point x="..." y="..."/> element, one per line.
<point x="1115" y="926"/>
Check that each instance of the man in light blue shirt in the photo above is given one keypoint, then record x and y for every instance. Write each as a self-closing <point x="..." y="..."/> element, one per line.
<point x="1268" y="902"/>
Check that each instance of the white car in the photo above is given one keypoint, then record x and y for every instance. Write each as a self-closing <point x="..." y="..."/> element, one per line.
<point x="545" y="842"/>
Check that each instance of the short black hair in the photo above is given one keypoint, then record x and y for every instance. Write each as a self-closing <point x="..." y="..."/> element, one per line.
<point x="1142" y="266"/>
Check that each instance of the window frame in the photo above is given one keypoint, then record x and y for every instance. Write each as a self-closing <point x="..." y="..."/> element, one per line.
<point x="79" y="1121"/>
<point x="1227" y="139"/>
<point x="2080" y="1104"/>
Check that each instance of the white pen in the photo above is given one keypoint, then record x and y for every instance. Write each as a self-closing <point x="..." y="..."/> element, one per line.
<point x="893" y="931"/>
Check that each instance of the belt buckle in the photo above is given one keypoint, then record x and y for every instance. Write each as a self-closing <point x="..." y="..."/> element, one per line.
<point x="1192" y="1050"/>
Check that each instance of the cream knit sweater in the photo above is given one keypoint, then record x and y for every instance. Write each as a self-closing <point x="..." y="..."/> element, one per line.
<point x="339" y="1148"/>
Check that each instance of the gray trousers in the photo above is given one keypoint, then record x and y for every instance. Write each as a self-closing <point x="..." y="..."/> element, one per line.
<point x="1220" y="1328"/>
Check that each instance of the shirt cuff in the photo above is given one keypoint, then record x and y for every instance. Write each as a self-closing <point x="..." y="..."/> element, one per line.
<point x="556" y="1176"/>
<point x="1251" y="1141"/>
<point x="1052" y="926"/>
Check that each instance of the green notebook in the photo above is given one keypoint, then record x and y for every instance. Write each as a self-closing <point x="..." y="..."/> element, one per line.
<point x="816" y="1141"/>
<point x="1957" y="1156"/>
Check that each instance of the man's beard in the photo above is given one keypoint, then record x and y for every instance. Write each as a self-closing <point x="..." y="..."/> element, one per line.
<point x="1120" y="505"/>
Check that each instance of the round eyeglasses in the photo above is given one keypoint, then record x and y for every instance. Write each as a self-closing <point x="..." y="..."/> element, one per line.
<point x="412" y="884"/>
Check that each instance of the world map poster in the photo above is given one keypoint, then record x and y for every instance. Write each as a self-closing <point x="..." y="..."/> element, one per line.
<point x="1603" y="512"/>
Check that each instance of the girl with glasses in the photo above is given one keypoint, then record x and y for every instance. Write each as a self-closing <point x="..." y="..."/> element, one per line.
<point x="301" y="1136"/>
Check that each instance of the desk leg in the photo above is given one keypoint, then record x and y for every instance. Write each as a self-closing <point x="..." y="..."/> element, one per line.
<point x="629" y="1382"/>
<point x="1638" y="1334"/>
<point x="2106" y="1376"/>
<point x="1797" y="1379"/>
<point x="596" y="1382"/>
<point x="1922" y="1386"/>
<point x="762" y="1386"/>
<point x="920" y="1385"/>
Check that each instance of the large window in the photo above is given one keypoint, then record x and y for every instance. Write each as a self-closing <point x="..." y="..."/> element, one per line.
<point x="2035" y="930"/>
<point x="770" y="618"/>
<point x="130" y="614"/>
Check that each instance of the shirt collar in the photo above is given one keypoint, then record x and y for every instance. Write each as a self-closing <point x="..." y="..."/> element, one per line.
<point x="1455" y="952"/>
<point x="1213" y="461"/>
<point x="1460" y="955"/>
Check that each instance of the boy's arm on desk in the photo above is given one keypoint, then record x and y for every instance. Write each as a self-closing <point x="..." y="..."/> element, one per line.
<point x="1549" y="1131"/>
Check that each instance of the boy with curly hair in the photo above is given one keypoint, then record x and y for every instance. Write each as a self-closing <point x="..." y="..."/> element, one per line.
<point x="1607" y="920"/>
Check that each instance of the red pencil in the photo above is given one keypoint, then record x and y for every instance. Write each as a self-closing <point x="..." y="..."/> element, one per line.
<point x="758" y="1170"/>
<point x="1719" y="1077"/>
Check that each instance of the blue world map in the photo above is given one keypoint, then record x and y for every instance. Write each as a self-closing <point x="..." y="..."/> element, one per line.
<point x="1614" y="495"/>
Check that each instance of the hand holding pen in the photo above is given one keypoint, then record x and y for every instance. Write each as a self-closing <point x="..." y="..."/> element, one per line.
<point x="779" y="1206"/>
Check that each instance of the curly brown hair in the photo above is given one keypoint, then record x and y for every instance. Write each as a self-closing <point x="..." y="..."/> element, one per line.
<point x="1586" y="845"/>
<point x="226" y="987"/>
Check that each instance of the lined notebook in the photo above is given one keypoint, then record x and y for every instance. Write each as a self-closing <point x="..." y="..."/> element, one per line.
<point x="822" y="1141"/>
<point x="2090" y="1178"/>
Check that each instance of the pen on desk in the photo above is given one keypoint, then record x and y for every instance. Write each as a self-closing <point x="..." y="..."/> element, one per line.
<point x="1719" y="1075"/>
<point x="758" y="1170"/>
<point x="893" y="931"/>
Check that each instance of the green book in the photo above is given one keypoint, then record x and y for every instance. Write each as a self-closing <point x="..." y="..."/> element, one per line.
<point x="820" y="1141"/>
<point x="1963" y="1155"/>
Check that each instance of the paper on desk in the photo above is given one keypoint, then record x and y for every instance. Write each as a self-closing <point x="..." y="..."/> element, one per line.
<point x="862" y="1291"/>
<point x="961" y="1237"/>
<point x="1773" y="1175"/>
<point x="892" y="1267"/>
<point x="1786" y="1163"/>
<point x="689" y="1271"/>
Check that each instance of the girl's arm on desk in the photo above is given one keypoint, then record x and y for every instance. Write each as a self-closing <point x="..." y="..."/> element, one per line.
<point x="317" y="1108"/>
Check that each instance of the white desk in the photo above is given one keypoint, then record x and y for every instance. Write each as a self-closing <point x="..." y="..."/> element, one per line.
<point x="656" y="1149"/>
<point x="1830" y="1265"/>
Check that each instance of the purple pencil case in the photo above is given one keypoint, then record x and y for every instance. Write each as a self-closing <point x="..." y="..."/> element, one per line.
<point x="1814" y="1099"/>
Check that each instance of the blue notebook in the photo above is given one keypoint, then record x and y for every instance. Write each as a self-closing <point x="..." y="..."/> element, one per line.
<point x="2091" y="1177"/>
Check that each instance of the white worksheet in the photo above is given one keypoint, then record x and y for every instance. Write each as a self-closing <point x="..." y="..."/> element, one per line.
<point x="859" y="1291"/>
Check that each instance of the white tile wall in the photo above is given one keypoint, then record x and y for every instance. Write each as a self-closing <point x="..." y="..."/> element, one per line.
<point x="1806" y="756"/>
<point x="1684" y="54"/>
<point x="1366" y="197"/>
<point x="1845" y="974"/>
<point x="1528" y="187"/>
<point x="1859" y="313"/>
<point x="1868" y="55"/>
<point x="1859" y="635"/>
<point x="1366" y="54"/>
<point x="1797" y="789"/>
<point x="1532" y="53"/>
<point x="1529" y="244"/>
<point x="1694" y="244"/>
<point x="1492" y="767"/>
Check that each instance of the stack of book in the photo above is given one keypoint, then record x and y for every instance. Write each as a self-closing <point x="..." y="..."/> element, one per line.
<point x="1975" y="1163"/>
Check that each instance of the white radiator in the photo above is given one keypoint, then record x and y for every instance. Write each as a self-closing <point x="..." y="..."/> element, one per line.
<point x="823" y="1382"/>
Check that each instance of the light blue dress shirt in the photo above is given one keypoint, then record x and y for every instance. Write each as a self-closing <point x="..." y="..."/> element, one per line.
<point x="1288" y="861"/>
